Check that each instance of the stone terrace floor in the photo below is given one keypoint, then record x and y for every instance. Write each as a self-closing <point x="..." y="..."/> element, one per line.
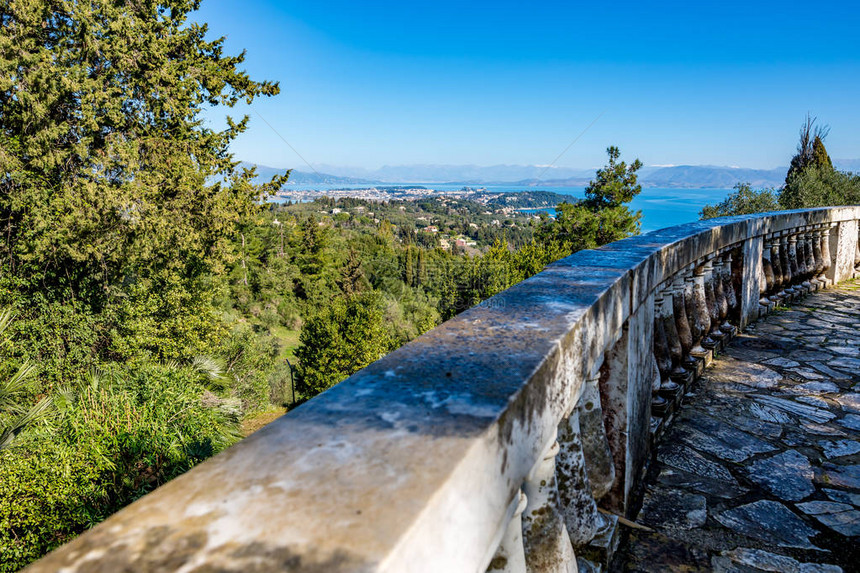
<point x="760" y="470"/>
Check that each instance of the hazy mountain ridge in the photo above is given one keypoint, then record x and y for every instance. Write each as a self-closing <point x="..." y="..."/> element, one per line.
<point x="673" y="176"/>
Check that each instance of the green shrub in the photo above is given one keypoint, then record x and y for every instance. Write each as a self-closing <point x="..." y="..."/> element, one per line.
<point x="114" y="440"/>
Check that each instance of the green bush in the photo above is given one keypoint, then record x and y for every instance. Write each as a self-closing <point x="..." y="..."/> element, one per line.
<point x="114" y="440"/>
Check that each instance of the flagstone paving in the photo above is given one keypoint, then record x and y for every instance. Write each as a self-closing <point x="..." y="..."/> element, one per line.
<point x="760" y="471"/>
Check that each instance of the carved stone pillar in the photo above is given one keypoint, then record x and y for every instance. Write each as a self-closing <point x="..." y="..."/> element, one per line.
<point x="576" y="499"/>
<point x="817" y="255"/>
<point x="810" y="255"/>
<point x="700" y="322"/>
<point x="857" y="255"/>
<point x="510" y="557"/>
<point x="826" y="257"/>
<point x="776" y="261"/>
<point x="732" y="298"/>
<point x="786" y="266"/>
<point x="682" y="324"/>
<point x="676" y="351"/>
<point x="546" y="542"/>
<point x="767" y="269"/>
<point x="792" y="259"/>
<point x="714" y="333"/>
<point x="595" y="444"/>
<point x="719" y="292"/>
<point x="800" y="255"/>
<point x="667" y="389"/>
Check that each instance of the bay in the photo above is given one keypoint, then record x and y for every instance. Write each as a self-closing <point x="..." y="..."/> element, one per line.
<point x="660" y="207"/>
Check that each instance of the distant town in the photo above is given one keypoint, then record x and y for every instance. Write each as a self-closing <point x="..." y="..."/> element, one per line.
<point x="501" y="202"/>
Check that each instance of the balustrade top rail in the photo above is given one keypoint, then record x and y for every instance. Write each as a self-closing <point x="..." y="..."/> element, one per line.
<point x="416" y="462"/>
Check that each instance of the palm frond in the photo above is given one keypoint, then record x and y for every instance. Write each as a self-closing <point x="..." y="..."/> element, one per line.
<point x="211" y="367"/>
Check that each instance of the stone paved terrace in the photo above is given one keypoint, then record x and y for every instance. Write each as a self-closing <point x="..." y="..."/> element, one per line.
<point x="760" y="470"/>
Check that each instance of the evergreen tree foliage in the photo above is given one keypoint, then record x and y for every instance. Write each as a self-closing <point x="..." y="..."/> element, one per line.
<point x="112" y="186"/>
<point x="602" y="217"/>
<point x="743" y="201"/>
<point x="341" y="339"/>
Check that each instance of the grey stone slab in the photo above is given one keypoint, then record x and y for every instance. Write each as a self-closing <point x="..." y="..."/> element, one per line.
<point x="823" y="430"/>
<point x="840" y="517"/>
<point x="720" y="439"/>
<point x="769" y="414"/>
<point x="813" y="388"/>
<point x="816" y="401"/>
<point x="843" y="496"/>
<point x="782" y="362"/>
<point x="800" y="410"/>
<point x="845" y="350"/>
<point x="788" y="475"/>
<point x="842" y="476"/>
<point x="731" y="371"/>
<point x="673" y="509"/>
<point x="770" y="522"/>
<point x="807" y="355"/>
<point x="840" y="448"/>
<point x="756" y="426"/>
<point x="827" y="370"/>
<point x="740" y="560"/>
<point x="851" y="421"/>
<point x="804" y="374"/>
<point x="850" y="402"/>
<point x="685" y="458"/>
<point x="675" y="478"/>
<point x="845" y="363"/>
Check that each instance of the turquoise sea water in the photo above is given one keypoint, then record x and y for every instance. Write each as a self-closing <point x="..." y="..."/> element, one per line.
<point x="660" y="207"/>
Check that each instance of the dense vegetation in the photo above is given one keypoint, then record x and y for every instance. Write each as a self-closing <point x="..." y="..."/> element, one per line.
<point x="811" y="181"/>
<point x="150" y="298"/>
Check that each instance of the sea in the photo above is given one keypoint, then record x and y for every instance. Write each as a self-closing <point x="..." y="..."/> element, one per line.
<point x="660" y="207"/>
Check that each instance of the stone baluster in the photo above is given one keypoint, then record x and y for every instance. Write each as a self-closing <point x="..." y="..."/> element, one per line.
<point x="826" y="257"/>
<point x="720" y="293"/>
<point x="819" y="257"/>
<point x="714" y="333"/>
<point x="792" y="263"/>
<point x="595" y="443"/>
<point x="510" y="556"/>
<point x="857" y="255"/>
<point x="682" y="323"/>
<point x="546" y="542"/>
<point x="767" y="285"/>
<point x="803" y="266"/>
<point x="667" y="388"/>
<point x="700" y="320"/>
<point x="814" y="256"/>
<point x="730" y="294"/>
<point x="667" y="348"/>
<point x="810" y="254"/>
<point x="676" y="351"/>
<point x="585" y="468"/>
<point x="776" y="262"/>
<point x="800" y="256"/>
<point x="785" y="263"/>
<point x="729" y="285"/>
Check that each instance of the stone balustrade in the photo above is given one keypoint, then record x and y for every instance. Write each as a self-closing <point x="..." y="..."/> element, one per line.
<point x="507" y="439"/>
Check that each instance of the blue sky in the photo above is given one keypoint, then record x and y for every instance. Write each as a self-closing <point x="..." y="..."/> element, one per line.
<point x="367" y="83"/>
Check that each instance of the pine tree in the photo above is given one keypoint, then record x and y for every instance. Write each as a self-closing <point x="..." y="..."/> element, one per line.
<point x="112" y="187"/>
<point x="409" y="269"/>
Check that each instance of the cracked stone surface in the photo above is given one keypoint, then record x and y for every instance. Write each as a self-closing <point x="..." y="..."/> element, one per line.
<point x="788" y="475"/>
<point x="760" y="469"/>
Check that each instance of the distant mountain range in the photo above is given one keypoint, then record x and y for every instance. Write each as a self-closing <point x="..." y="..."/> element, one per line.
<point x="673" y="176"/>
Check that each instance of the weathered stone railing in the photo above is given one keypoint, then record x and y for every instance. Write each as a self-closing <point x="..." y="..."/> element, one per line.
<point x="489" y="441"/>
